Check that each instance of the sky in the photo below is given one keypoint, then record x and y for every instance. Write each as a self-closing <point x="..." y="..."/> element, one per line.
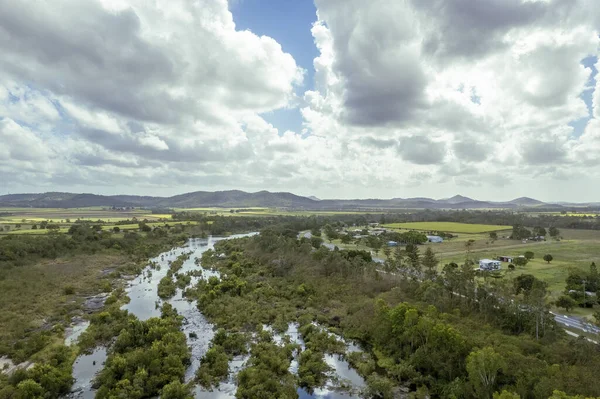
<point x="494" y="99"/>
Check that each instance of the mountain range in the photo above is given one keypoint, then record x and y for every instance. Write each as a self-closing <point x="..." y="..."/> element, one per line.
<point x="242" y="199"/>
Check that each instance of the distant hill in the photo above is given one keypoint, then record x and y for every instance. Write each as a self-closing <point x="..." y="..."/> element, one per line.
<point x="457" y="199"/>
<point x="242" y="199"/>
<point x="526" y="201"/>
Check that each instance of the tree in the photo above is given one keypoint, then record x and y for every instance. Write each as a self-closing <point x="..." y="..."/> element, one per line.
<point x="506" y="395"/>
<point x="566" y="302"/>
<point x="144" y="227"/>
<point x="539" y="231"/>
<point x="414" y="259"/>
<point x="593" y="278"/>
<point x="176" y="390"/>
<point x="316" y="242"/>
<point x="511" y="267"/>
<point x="346" y="239"/>
<point x="520" y="232"/>
<point x="30" y="389"/>
<point x="483" y="367"/>
<point x="520" y="261"/>
<point x="529" y="255"/>
<point x="468" y="245"/>
<point x="524" y="283"/>
<point x="387" y="251"/>
<point x="548" y="258"/>
<point x="493" y="236"/>
<point x="430" y="263"/>
<point x="554" y="232"/>
<point x="116" y="229"/>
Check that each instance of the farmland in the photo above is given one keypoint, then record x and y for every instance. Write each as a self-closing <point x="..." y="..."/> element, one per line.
<point x="577" y="250"/>
<point x="269" y="212"/>
<point x="28" y="220"/>
<point x="449" y="227"/>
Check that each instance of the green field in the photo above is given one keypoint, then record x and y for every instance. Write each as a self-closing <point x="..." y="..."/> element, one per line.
<point x="577" y="250"/>
<point x="449" y="227"/>
<point x="256" y="211"/>
<point x="122" y="227"/>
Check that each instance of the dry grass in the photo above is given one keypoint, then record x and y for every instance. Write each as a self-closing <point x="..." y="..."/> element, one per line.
<point x="448" y="227"/>
<point x="33" y="296"/>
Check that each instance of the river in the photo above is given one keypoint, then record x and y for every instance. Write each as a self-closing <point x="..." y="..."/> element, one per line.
<point x="142" y="292"/>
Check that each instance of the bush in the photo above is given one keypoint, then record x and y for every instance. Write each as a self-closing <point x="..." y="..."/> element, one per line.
<point x="69" y="290"/>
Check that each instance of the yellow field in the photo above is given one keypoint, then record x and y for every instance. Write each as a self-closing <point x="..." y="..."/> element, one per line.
<point x="448" y="227"/>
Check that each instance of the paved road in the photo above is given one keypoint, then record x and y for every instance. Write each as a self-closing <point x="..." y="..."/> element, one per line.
<point x="575" y="322"/>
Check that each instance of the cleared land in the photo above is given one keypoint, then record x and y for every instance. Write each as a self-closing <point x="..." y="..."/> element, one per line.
<point x="577" y="250"/>
<point x="22" y="220"/>
<point x="449" y="227"/>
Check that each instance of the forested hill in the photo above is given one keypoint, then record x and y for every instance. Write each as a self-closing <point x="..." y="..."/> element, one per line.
<point x="242" y="199"/>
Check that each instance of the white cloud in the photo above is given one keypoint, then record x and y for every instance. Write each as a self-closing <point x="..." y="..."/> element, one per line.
<point x="167" y="95"/>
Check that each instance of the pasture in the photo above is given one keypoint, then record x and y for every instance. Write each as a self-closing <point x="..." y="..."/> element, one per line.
<point x="28" y="220"/>
<point x="257" y="211"/>
<point x="577" y="250"/>
<point x="448" y="227"/>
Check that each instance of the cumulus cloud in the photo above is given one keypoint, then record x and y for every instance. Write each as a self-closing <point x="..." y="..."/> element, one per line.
<point x="410" y="97"/>
<point x="421" y="150"/>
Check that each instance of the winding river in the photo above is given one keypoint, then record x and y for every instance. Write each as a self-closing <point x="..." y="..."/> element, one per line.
<point x="143" y="304"/>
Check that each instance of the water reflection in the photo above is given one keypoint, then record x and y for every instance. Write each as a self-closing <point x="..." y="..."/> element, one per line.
<point x="145" y="303"/>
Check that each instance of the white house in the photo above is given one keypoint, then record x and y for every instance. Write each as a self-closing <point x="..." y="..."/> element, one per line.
<point x="489" y="264"/>
<point x="435" y="239"/>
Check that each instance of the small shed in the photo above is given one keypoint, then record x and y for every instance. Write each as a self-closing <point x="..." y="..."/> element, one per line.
<point x="435" y="239"/>
<point x="392" y="243"/>
<point x="508" y="259"/>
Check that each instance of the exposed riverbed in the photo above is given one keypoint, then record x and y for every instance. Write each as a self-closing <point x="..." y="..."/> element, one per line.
<point x="144" y="304"/>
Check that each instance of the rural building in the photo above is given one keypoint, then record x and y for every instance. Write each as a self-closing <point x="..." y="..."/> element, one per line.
<point x="435" y="239"/>
<point x="508" y="259"/>
<point x="392" y="243"/>
<point x="377" y="231"/>
<point x="489" y="264"/>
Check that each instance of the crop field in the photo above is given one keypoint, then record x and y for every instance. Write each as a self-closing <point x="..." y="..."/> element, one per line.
<point x="23" y="220"/>
<point x="122" y="227"/>
<point x="59" y="215"/>
<point x="270" y="212"/>
<point x="449" y="227"/>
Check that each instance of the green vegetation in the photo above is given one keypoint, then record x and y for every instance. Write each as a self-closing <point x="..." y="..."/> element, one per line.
<point x="214" y="365"/>
<point x="146" y="357"/>
<point x="267" y="374"/>
<point x="51" y="379"/>
<point x="470" y="343"/>
<point x="450" y="227"/>
<point x="167" y="287"/>
<point x="426" y="319"/>
<point x="44" y="281"/>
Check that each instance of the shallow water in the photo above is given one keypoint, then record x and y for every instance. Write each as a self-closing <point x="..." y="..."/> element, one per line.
<point x="84" y="371"/>
<point x="145" y="303"/>
<point x="72" y="333"/>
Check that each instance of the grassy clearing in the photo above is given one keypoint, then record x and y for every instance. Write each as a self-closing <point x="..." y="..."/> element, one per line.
<point x="36" y="231"/>
<point x="577" y="250"/>
<point x="271" y="212"/>
<point x="59" y="215"/>
<point x="35" y="297"/>
<point x="449" y="227"/>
